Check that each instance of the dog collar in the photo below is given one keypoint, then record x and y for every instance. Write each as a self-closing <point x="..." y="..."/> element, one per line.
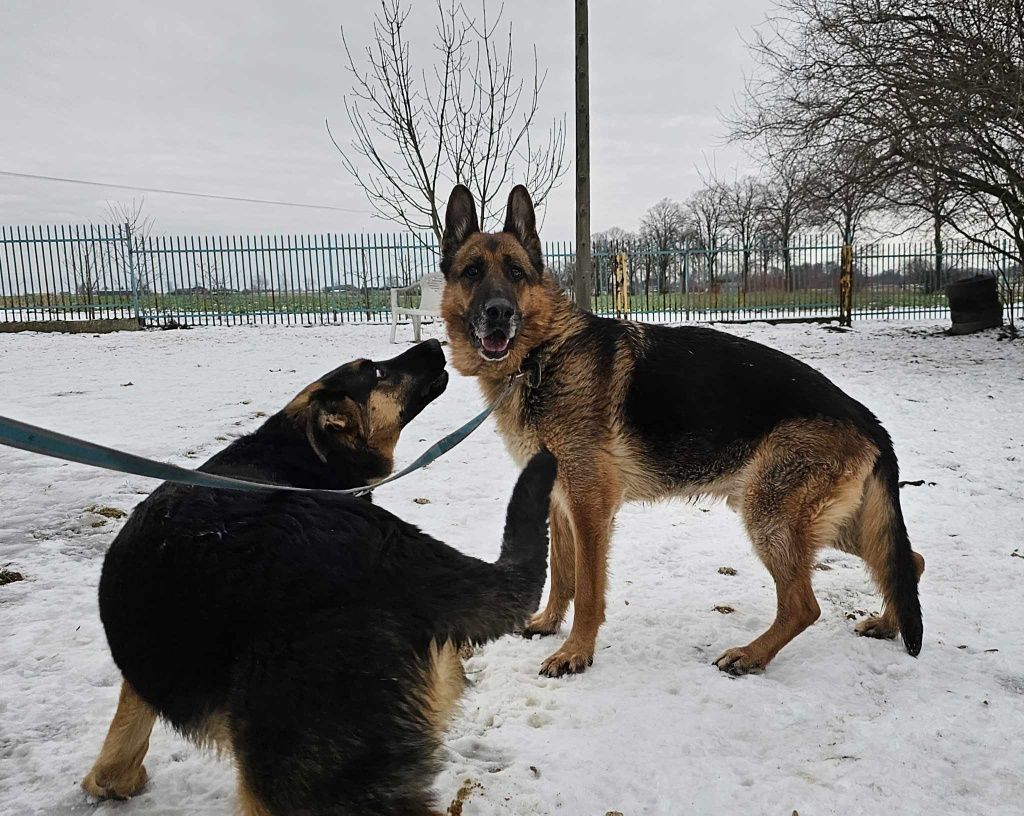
<point x="531" y="369"/>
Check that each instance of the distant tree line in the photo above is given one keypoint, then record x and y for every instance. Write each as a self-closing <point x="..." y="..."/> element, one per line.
<point x="895" y="116"/>
<point x="756" y="218"/>
<point x="909" y="108"/>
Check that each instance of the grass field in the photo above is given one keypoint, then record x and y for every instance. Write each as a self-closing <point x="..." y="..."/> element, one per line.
<point x="375" y="304"/>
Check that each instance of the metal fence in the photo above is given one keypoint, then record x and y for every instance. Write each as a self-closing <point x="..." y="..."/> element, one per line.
<point x="90" y="272"/>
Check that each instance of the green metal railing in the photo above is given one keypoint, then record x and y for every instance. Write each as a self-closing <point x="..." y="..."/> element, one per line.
<point x="89" y="272"/>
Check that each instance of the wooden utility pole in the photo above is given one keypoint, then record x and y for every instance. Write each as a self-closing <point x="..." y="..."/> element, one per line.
<point x="583" y="260"/>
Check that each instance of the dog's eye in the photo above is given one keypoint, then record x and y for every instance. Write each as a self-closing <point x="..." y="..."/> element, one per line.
<point x="471" y="272"/>
<point x="516" y="273"/>
<point x="381" y="373"/>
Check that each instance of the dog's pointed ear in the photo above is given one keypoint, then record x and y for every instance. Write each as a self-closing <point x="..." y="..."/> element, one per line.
<point x="333" y="423"/>
<point x="460" y="220"/>
<point x="521" y="221"/>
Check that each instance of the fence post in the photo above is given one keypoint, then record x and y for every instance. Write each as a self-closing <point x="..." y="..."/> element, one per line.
<point x="127" y="237"/>
<point x="846" y="285"/>
<point x="686" y="280"/>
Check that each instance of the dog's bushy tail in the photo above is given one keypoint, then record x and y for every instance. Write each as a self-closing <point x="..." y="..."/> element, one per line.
<point x="484" y="601"/>
<point x="897" y="567"/>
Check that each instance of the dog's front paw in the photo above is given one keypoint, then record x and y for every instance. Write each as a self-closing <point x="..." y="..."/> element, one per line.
<point x="119" y="784"/>
<point x="567" y="660"/>
<point x="739" y="661"/>
<point x="540" y="625"/>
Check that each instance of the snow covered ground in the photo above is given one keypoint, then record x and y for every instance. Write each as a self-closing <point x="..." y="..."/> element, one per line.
<point x="837" y="724"/>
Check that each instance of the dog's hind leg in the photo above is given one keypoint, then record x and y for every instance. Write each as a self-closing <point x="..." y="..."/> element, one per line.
<point x="797" y="608"/>
<point x="881" y="540"/>
<point x="563" y="577"/>
<point x="802" y="488"/>
<point x="887" y="624"/>
<point x="118" y="771"/>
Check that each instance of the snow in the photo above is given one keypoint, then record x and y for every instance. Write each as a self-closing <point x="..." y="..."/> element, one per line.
<point x="837" y="724"/>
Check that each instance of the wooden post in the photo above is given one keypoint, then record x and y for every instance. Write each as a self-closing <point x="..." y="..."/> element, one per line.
<point x="584" y="263"/>
<point x="846" y="285"/>
<point x="620" y="276"/>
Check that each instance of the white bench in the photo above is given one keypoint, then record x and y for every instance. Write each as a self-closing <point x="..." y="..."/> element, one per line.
<point x="431" y="287"/>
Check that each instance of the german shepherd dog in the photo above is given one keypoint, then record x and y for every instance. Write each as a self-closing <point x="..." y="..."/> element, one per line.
<point x="313" y="636"/>
<point x="636" y="412"/>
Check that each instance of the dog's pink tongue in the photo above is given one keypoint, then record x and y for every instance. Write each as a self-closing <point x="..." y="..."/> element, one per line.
<point x="495" y="343"/>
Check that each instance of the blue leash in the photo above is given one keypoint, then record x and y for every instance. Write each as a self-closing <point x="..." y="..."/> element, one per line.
<point x="30" y="438"/>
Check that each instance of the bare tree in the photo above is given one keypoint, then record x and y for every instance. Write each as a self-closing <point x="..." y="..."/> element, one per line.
<point x="849" y="187"/>
<point x="786" y="205"/>
<point x="261" y="282"/>
<point x="468" y="119"/>
<point x="209" y="275"/>
<point x="924" y="84"/>
<point x="742" y="216"/>
<point x="611" y="239"/>
<point x="127" y="255"/>
<point x="85" y="264"/>
<point x="663" y="228"/>
<point x="706" y="208"/>
<point x="929" y="201"/>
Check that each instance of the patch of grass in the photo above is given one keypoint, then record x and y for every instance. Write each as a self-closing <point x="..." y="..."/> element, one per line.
<point x="106" y="512"/>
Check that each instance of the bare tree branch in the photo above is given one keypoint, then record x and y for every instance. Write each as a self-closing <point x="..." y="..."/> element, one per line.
<point x="467" y="120"/>
<point x="924" y="99"/>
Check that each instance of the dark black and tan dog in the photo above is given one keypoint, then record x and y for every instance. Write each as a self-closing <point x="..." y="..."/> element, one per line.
<point x="312" y="636"/>
<point x="635" y="412"/>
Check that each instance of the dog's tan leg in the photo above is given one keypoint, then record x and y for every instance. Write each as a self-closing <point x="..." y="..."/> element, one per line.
<point x="118" y="771"/>
<point x="592" y="498"/>
<point x="563" y="577"/>
<point x="884" y="625"/>
<point x="797" y="608"/>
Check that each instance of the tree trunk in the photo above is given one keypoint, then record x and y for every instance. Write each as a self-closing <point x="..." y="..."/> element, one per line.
<point x="846" y="286"/>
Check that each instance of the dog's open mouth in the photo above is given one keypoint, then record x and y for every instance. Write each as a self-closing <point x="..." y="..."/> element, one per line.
<point x="494" y="345"/>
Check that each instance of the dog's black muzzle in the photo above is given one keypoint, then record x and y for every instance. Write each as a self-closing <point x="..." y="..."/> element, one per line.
<point x="424" y="365"/>
<point x="494" y="327"/>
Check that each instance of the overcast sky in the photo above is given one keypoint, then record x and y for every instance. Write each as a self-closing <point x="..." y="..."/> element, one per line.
<point x="230" y="98"/>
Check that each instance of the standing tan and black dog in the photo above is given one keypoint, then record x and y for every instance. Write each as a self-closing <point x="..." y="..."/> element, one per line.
<point x="637" y="412"/>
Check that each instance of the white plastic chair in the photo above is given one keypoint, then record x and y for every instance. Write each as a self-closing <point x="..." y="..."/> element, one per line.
<point x="431" y="287"/>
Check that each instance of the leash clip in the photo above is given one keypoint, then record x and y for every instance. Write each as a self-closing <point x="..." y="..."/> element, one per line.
<point x="533" y="373"/>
